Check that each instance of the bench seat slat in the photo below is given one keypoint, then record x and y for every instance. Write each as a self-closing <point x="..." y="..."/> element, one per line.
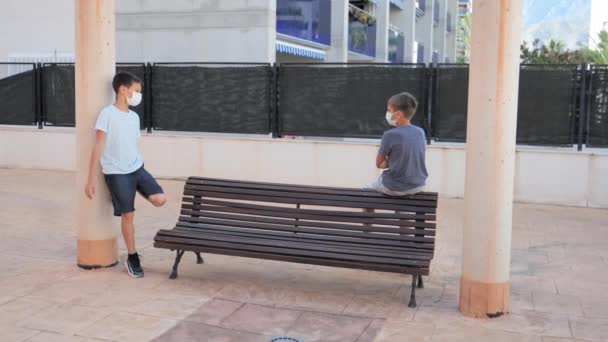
<point x="281" y="248"/>
<point x="296" y="244"/>
<point x="416" y="248"/>
<point x="365" y="237"/>
<point x="296" y="259"/>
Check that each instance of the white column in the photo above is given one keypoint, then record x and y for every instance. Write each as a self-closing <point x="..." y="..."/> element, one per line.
<point x="338" y="52"/>
<point x="95" y="67"/>
<point x="450" y="45"/>
<point x="492" y="115"/>
<point x="408" y="26"/>
<point x="382" y="25"/>
<point x="424" y="31"/>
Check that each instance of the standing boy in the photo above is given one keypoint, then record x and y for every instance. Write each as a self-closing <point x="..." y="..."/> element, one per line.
<point x="117" y="132"/>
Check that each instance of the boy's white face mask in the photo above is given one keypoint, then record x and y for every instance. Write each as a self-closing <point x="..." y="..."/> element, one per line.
<point x="135" y="99"/>
<point x="389" y="119"/>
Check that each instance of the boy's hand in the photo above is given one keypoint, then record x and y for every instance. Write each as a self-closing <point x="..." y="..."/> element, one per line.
<point x="89" y="190"/>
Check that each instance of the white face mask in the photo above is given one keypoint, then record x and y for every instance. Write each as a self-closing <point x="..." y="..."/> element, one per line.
<point x="389" y="119"/>
<point x="135" y="99"/>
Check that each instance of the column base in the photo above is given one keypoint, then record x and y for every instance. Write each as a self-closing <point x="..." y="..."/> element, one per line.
<point x="93" y="254"/>
<point x="483" y="300"/>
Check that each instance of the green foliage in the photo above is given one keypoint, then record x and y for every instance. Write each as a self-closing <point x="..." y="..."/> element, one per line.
<point x="554" y="52"/>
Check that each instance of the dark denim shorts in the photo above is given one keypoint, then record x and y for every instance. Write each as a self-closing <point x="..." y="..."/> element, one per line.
<point x="124" y="187"/>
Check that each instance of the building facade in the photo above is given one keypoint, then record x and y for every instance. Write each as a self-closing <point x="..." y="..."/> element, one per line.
<point x="383" y="31"/>
<point x="265" y="31"/>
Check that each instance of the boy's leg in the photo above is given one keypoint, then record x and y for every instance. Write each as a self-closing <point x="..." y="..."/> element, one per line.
<point x="128" y="231"/>
<point x="149" y="188"/>
<point x="158" y="200"/>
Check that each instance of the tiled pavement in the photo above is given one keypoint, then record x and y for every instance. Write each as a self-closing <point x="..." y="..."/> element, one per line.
<point x="559" y="282"/>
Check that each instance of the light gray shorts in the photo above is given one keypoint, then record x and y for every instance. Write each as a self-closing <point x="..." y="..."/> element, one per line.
<point x="378" y="186"/>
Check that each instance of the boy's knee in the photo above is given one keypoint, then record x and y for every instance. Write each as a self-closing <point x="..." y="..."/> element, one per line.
<point x="158" y="200"/>
<point x="128" y="217"/>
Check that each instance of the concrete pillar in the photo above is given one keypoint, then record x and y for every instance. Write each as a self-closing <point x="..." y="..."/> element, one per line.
<point x="95" y="67"/>
<point x="492" y="115"/>
<point x="382" y="25"/>
<point x="338" y="53"/>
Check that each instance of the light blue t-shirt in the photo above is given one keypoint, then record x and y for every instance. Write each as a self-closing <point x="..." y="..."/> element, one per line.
<point x="120" y="154"/>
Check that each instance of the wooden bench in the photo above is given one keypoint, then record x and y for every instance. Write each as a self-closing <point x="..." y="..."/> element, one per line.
<point x="340" y="227"/>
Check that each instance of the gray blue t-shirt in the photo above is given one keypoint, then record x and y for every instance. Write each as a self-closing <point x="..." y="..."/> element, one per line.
<point x="120" y="154"/>
<point x="404" y="148"/>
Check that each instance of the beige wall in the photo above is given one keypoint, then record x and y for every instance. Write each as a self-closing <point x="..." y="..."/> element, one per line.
<point x="550" y="176"/>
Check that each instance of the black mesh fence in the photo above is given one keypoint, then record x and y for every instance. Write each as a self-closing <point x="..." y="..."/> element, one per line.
<point x="58" y="105"/>
<point x="58" y="95"/>
<point x="212" y="98"/>
<point x="18" y="94"/>
<point x="450" y="102"/>
<point x="547" y="110"/>
<point x="597" y="124"/>
<point x="335" y="100"/>
<point x="319" y="100"/>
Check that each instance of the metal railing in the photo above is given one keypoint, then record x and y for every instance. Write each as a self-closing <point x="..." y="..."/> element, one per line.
<point x="310" y="20"/>
<point x="361" y="32"/>
<point x="559" y="105"/>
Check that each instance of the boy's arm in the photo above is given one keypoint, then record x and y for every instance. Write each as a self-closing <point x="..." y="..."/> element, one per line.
<point x="381" y="161"/>
<point x="383" y="152"/>
<point x="100" y="139"/>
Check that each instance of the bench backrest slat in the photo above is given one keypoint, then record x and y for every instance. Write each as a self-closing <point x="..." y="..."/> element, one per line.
<point x="323" y="213"/>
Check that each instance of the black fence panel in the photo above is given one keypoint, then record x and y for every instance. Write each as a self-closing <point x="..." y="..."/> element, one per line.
<point x="450" y="102"/>
<point x="547" y="111"/>
<point x="339" y="100"/>
<point x="58" y="95"/>
<point x="212" y="97"/>
<point x="597" y="122"/>
<point x="18" y="94"/>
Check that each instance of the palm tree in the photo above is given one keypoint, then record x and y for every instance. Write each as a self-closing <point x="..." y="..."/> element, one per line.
<point x="599" y="55"/>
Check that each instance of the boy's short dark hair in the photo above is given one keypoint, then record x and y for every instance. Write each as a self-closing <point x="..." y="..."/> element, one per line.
<point x="123" y="78"/>
<point x="405" y="103"/>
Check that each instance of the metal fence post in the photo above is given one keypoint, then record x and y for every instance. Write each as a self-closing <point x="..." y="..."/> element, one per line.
<point x="582" y="106"/>
<point x="38" y="93"/>
<point x="429" y="99"/>
<point x="147" y="98"/>
<point x="149" y="104"/>
<point x="590" y="91"/>
<point x="275" y="120"/>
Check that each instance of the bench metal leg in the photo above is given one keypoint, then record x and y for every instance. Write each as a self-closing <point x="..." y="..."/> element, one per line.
<point x="420" y="284"/>
<point x="178" y="258"/>
<point x="199" y="258"/>
<point x="412" y="303"/>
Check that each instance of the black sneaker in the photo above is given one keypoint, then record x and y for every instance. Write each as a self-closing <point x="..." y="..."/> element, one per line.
<point x="134" y="267"/>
